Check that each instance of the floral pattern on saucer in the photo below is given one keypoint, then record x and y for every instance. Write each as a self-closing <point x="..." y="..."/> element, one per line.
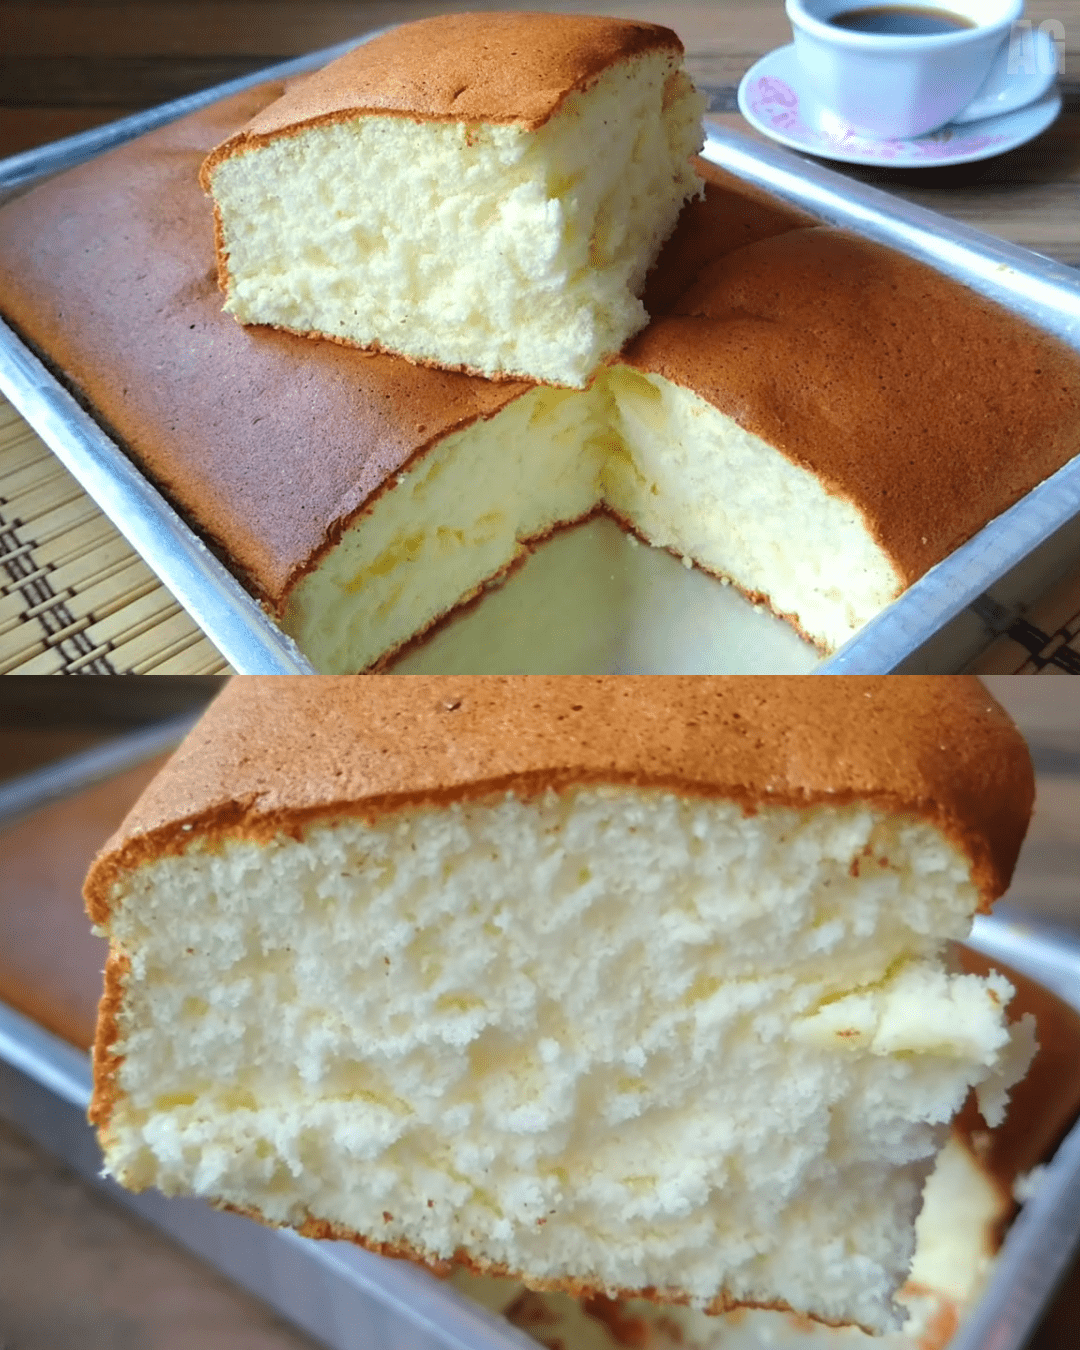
<point x="773" y="99"/>
<point x="777" y="104"/>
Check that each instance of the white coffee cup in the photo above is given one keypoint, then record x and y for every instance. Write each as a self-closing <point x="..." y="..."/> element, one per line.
<point x="893" y="87"/>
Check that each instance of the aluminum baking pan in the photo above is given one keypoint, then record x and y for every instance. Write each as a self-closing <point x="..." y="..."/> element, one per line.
<point x="345" y="1297"/>
<point x="29" y="166"/>
<point x="32" y="791"/>
<point x="940" y="623"/>
<point x="232" y="619"/>
<point x="237" y="625"/>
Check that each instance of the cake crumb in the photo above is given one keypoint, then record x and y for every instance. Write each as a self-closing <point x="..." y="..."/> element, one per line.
<point x="1027" y="1184"/>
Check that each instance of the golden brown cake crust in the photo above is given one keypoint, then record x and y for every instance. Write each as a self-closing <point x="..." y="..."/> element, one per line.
<point x="272" y="445"/>
<point x="728" y="215"/>
<point x="325" y="1230"/>
<point x="106" y="1061"/>
<point x="927" y="407"/>
<point x="505" y="68"/>
<point x="275" y="753"/>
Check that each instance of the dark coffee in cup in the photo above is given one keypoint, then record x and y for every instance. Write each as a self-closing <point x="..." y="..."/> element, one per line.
<point x="900" y="21"/>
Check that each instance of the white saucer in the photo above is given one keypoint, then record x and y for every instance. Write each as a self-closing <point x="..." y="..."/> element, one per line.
<point x="774" y="98"/>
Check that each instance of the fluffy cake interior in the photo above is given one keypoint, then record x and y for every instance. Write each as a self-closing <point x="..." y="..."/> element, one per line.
<point x="460" y="516"/>
<point x="343" y="228"/>
<point x="955" y="1241"/>
<point x="654" y="454"/>
<point x="612" y="1037"/>
<point x="691" y="479"/>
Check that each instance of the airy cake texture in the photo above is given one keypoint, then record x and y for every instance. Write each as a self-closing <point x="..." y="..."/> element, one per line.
<point x="484" y="192"/>
<point x="955" y="1243"/>
<point x="664" y="460"/>
<point x="967" y="1203"/>
<point x="455" y="519"/>
<point x="623" y="986"/>
<point x="689" y="478"/>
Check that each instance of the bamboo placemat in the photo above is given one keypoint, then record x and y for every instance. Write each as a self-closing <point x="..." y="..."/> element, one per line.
<point x="1044" y="642"/>
<point x="74" y="597"/>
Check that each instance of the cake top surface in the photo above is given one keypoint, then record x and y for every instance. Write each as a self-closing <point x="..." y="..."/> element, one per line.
<point x="512" y="67"/>
<point x="272" y="753"/>
<point x="928" y="407"/>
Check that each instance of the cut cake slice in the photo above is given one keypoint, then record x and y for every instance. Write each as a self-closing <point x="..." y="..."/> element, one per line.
<point x="483" y="192"/>
<point x="621" y="986"/>
<point x="821" y="419"/>
<point x="818" y="420"/>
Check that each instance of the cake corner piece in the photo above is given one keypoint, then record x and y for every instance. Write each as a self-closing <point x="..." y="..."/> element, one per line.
<point x="480" y="192"/>
<point x="617" y="986"/>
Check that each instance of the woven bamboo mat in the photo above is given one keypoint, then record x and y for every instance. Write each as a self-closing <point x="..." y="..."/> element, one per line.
<point x="1045" y="641"/>
<point x="74" y="598"/>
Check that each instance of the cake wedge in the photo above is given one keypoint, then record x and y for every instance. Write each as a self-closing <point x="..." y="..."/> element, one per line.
<point x="482" y="192"/>
<point x="624" y="986"/>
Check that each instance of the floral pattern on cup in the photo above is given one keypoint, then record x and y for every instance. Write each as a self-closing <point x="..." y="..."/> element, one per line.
<point x="777" y="104"/>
